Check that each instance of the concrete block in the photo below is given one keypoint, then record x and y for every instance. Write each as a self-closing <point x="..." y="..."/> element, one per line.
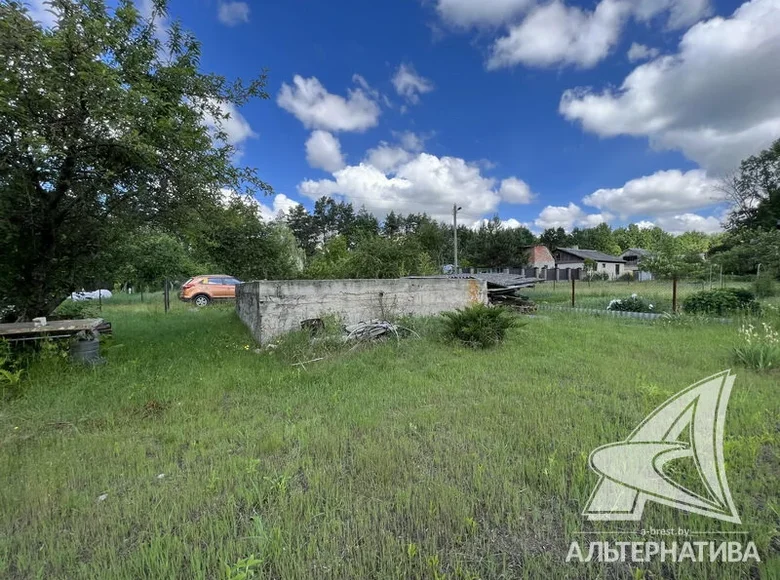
<point x="271" y="308"/>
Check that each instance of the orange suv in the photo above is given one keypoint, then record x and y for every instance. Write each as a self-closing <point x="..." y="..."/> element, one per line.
<point x="202" y="290"/>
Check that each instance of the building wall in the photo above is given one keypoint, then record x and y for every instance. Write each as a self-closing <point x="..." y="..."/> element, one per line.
<point x="271" y="308"/>
<point x="540" y="257"/>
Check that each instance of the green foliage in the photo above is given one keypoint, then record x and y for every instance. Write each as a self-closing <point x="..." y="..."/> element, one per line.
<point x="76" y="310"/>
<point x="721" y="301"/>
<point x="741" y="252"/>
<point x="764" y="286"/>
<point x="633" y="303"/>
<point x="106" y="124"/>
<point x="372" y="257"/>
<point x="478" y="326"/>
<point x="626" y="277"/>
<point x="759" y="349"/>
<point x="594" y="276"/>
<point x="243" y="569"/>
<point x="755" y="192"/>
<point x="10" y="373"/>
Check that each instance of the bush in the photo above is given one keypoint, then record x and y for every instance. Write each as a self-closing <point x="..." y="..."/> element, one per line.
<point x="478" y="326"/>
<point x="71" y="310"/>
<point x="764" y="287"/>
<point x="721" y="301"/>
<point x="633" y="303"/>
<point x="596" y="276"/>
<point x="626" y="277"/>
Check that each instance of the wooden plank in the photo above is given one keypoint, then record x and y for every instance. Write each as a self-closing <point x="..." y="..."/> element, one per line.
<point x="52" y="327"/>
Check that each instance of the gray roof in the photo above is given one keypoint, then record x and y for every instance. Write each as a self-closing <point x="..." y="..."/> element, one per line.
<point x="637" y="252"/>
<point x="591" y="254"/>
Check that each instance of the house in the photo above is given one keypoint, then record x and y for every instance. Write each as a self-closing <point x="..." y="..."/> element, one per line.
<point x="574" y="258"/>
<point x="633" y="258"/>
<point x="539" y="257"/>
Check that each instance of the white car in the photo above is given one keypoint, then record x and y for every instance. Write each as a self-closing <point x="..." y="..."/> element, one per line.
<point x="96" y="295"/>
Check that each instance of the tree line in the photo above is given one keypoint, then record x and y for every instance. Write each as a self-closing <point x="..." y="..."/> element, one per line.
<point x="114" y="163"/>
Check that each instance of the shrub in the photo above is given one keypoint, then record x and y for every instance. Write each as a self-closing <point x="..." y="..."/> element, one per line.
<point x="626" y="277"/>
<point x="478" y="326"/>
<point x="596" y="276"/>
<point x="758" y="350"/>
<point x="764" y="287"/>
<point x="721" y="301"/>
<point x="71" y="310"/>
<point x="633" y="303"/>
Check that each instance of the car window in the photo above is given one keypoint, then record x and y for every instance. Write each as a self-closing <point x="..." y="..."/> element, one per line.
<point x="231" y="281"/>
<point x="215" y="281"/>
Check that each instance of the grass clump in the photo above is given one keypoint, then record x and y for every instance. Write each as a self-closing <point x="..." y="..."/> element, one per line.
<point x="764" y="287"/>
<point x="73" y="310"/>
<point x="721" y="301"/>
<point x="478" y="326"/>
<point x="759" y="349"/>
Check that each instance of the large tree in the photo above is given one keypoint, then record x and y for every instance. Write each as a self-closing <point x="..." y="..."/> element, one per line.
<point x="106" y="123"/>
<point x="754" y="191"/>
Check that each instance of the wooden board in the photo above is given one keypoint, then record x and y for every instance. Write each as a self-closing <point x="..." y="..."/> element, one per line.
<point x="53" y="327"/>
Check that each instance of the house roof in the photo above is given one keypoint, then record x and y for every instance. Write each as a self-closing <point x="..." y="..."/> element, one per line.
<point x="591" y="254"/>
<point x="637" y="252"/>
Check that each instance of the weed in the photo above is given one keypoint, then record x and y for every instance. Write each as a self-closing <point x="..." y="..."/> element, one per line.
<point x="758" y="349"/>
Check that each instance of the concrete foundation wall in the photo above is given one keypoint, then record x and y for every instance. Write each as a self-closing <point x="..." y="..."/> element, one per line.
<point x="271" y="308"/>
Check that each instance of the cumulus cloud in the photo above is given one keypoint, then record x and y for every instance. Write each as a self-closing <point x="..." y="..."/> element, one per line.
<point x="689" y="222"/>
<point x="509" y="224"/>
<point x="316" y="108"/>
<point x="569" y="216"/>
<point x="515" y="190"/>
<point x="233" y="13"/>
<point x="236" y="128"/>
<point x="466" y="13"/>
<point x="409" y="84"/>
<point x="281" y="205"/>
<point x="663" y="192"/>
<point x="641" y="52"/>
<point x="555" y="33"/>
<point x="323" y="151"/>
<point x="681" y="12"/>
<point x="717" y="100"/>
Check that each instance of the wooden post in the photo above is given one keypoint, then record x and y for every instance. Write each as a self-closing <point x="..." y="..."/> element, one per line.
<point x="674" y="295"/>
<point x="166" y="297"/>
<point x="572" y="291"/>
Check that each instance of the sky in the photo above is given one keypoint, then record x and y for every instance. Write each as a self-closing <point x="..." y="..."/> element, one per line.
<point x="546" y="113"/>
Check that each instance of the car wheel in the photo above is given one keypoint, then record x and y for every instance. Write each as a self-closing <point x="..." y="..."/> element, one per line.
<point x="201" y="300"/>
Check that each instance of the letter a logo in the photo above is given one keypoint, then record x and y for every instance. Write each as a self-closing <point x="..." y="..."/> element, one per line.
<point x="632" y="471"/>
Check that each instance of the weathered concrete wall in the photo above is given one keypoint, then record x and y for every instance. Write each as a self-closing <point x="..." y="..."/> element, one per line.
<point x="271" y="308"/>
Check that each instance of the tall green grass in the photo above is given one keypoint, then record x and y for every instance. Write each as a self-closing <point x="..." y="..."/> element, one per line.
<point x="188" y="452"/>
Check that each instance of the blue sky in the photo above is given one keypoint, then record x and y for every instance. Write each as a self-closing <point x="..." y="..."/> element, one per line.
<point x="547" y="113"/>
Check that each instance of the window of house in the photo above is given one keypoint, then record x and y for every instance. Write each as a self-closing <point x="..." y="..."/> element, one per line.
<point x="617" y="269"/>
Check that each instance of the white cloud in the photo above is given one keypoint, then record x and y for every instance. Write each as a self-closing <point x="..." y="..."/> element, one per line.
<point x="509" y="224"/>
<point x="236" y="127"/>
<point x="555" y="33"/>
<point x="233" y="13"/>
<point x="391" y="178"/>
<point x="717" y="100"/>
<point x="567" y="217"/>
<point x="323" y="151"/>
<point x="411" y="141"/>
<point x="689" y="222"/>
<point x="641" y="52"/>
<point x="281" y="205"/>
<point x="645" y="225"/>
<point x="40" y="11"/>
<point x="316" y="108"/>
<point x="409" y="84"/>
<point x="466" y="13"/>
<point x="515" y="190"/>
<point x="681" y="12"/>
<point x="663" y="192"/>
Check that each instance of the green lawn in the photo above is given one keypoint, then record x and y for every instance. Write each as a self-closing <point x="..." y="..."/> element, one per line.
<point x="598" y="294"/>
<point x="188" y="451"/>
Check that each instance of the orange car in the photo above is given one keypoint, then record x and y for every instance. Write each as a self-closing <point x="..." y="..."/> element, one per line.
<point x="202" y="290"/>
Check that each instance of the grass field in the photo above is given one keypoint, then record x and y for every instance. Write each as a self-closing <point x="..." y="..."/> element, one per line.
<point x="188" y="452"/>
<point x="598" y="294"/>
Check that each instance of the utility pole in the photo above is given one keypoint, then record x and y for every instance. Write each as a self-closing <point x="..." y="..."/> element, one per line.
<point x="455" y="210"/>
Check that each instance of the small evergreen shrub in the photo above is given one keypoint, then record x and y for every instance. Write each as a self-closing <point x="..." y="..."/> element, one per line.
<point x="633" y="303"/>
<point x="478" y="326"/>
<point x="721" y="301"/>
